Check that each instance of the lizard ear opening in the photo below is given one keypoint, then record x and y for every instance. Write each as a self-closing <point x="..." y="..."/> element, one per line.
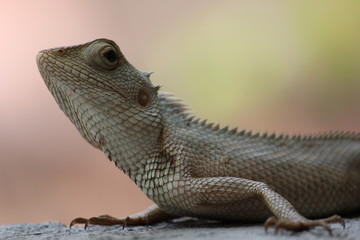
<point x="143" y="98"/>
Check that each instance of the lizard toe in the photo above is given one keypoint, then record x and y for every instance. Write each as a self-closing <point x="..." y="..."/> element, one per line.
<point x="102" y="220"/>
<point x="301" y="224"/>
<point x="335" y="219"/>
<point x="105" y="220"/>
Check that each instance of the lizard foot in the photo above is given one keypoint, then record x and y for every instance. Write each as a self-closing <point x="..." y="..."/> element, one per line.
<point x="105" y="220"/>
<point x="302" y="224"/>
<point x="149" y="216"/>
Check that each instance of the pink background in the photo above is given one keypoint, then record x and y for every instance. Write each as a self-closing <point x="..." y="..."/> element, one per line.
<point x="283" y="66"/>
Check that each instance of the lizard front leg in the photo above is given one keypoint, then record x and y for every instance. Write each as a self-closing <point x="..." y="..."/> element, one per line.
<point x="231" y="190"/>
<point x="149" y="216"/>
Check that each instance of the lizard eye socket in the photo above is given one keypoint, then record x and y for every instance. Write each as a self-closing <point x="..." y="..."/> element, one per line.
<point x="143" y="98"/>
<point x="110" y="58"/>
<point x="103" y="54"/>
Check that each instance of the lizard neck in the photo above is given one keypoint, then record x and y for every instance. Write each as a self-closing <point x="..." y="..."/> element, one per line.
<point x="130" y="152"/>
<point x="127" y="136"/>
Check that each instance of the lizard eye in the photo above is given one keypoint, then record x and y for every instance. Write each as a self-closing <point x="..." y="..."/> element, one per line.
<point x="103" y="54"/>
<point x="143" y="98"/>
<point x="109" y="57"/>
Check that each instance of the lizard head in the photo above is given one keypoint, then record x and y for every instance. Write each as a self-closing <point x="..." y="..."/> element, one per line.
<point x="109" y="101"/>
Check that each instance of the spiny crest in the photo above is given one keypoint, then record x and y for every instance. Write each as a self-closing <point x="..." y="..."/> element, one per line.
<point x="175" y="110"/>
<point x="172" y="106"/>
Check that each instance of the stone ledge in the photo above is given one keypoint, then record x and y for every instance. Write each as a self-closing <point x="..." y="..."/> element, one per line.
<point x="185" y="228"/>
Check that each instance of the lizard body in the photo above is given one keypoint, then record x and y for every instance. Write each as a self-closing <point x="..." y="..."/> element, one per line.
<point x="189" y="167"/>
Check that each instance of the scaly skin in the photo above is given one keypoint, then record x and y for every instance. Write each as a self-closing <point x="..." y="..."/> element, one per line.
<point x="191" y="168"/>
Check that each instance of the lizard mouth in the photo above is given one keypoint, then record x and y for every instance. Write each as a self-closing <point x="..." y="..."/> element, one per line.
<point x="43" y="58"/>
<point x="69" y="99"/>
<point x="45" y="62"/>
<point x="40" y="57"/>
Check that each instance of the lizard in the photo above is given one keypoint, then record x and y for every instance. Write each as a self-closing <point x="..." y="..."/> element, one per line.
<point x="189" y="167"/>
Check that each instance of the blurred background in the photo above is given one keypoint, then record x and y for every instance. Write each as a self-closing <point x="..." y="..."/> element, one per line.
<point x="280" y="66"/>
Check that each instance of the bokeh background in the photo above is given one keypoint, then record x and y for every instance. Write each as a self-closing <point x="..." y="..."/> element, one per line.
<point x="281" y="66"/>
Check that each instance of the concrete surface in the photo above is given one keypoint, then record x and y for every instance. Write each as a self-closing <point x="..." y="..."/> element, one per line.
<point x="185" y="228"/>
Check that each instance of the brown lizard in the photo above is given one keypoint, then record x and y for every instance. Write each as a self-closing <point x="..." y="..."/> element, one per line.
<point x="192" y="168"/>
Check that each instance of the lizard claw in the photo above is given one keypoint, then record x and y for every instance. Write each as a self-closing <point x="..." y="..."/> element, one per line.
<point x="79" y="220"/>
<point x="271" y="221"/>
<point x="302" y="224"/>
